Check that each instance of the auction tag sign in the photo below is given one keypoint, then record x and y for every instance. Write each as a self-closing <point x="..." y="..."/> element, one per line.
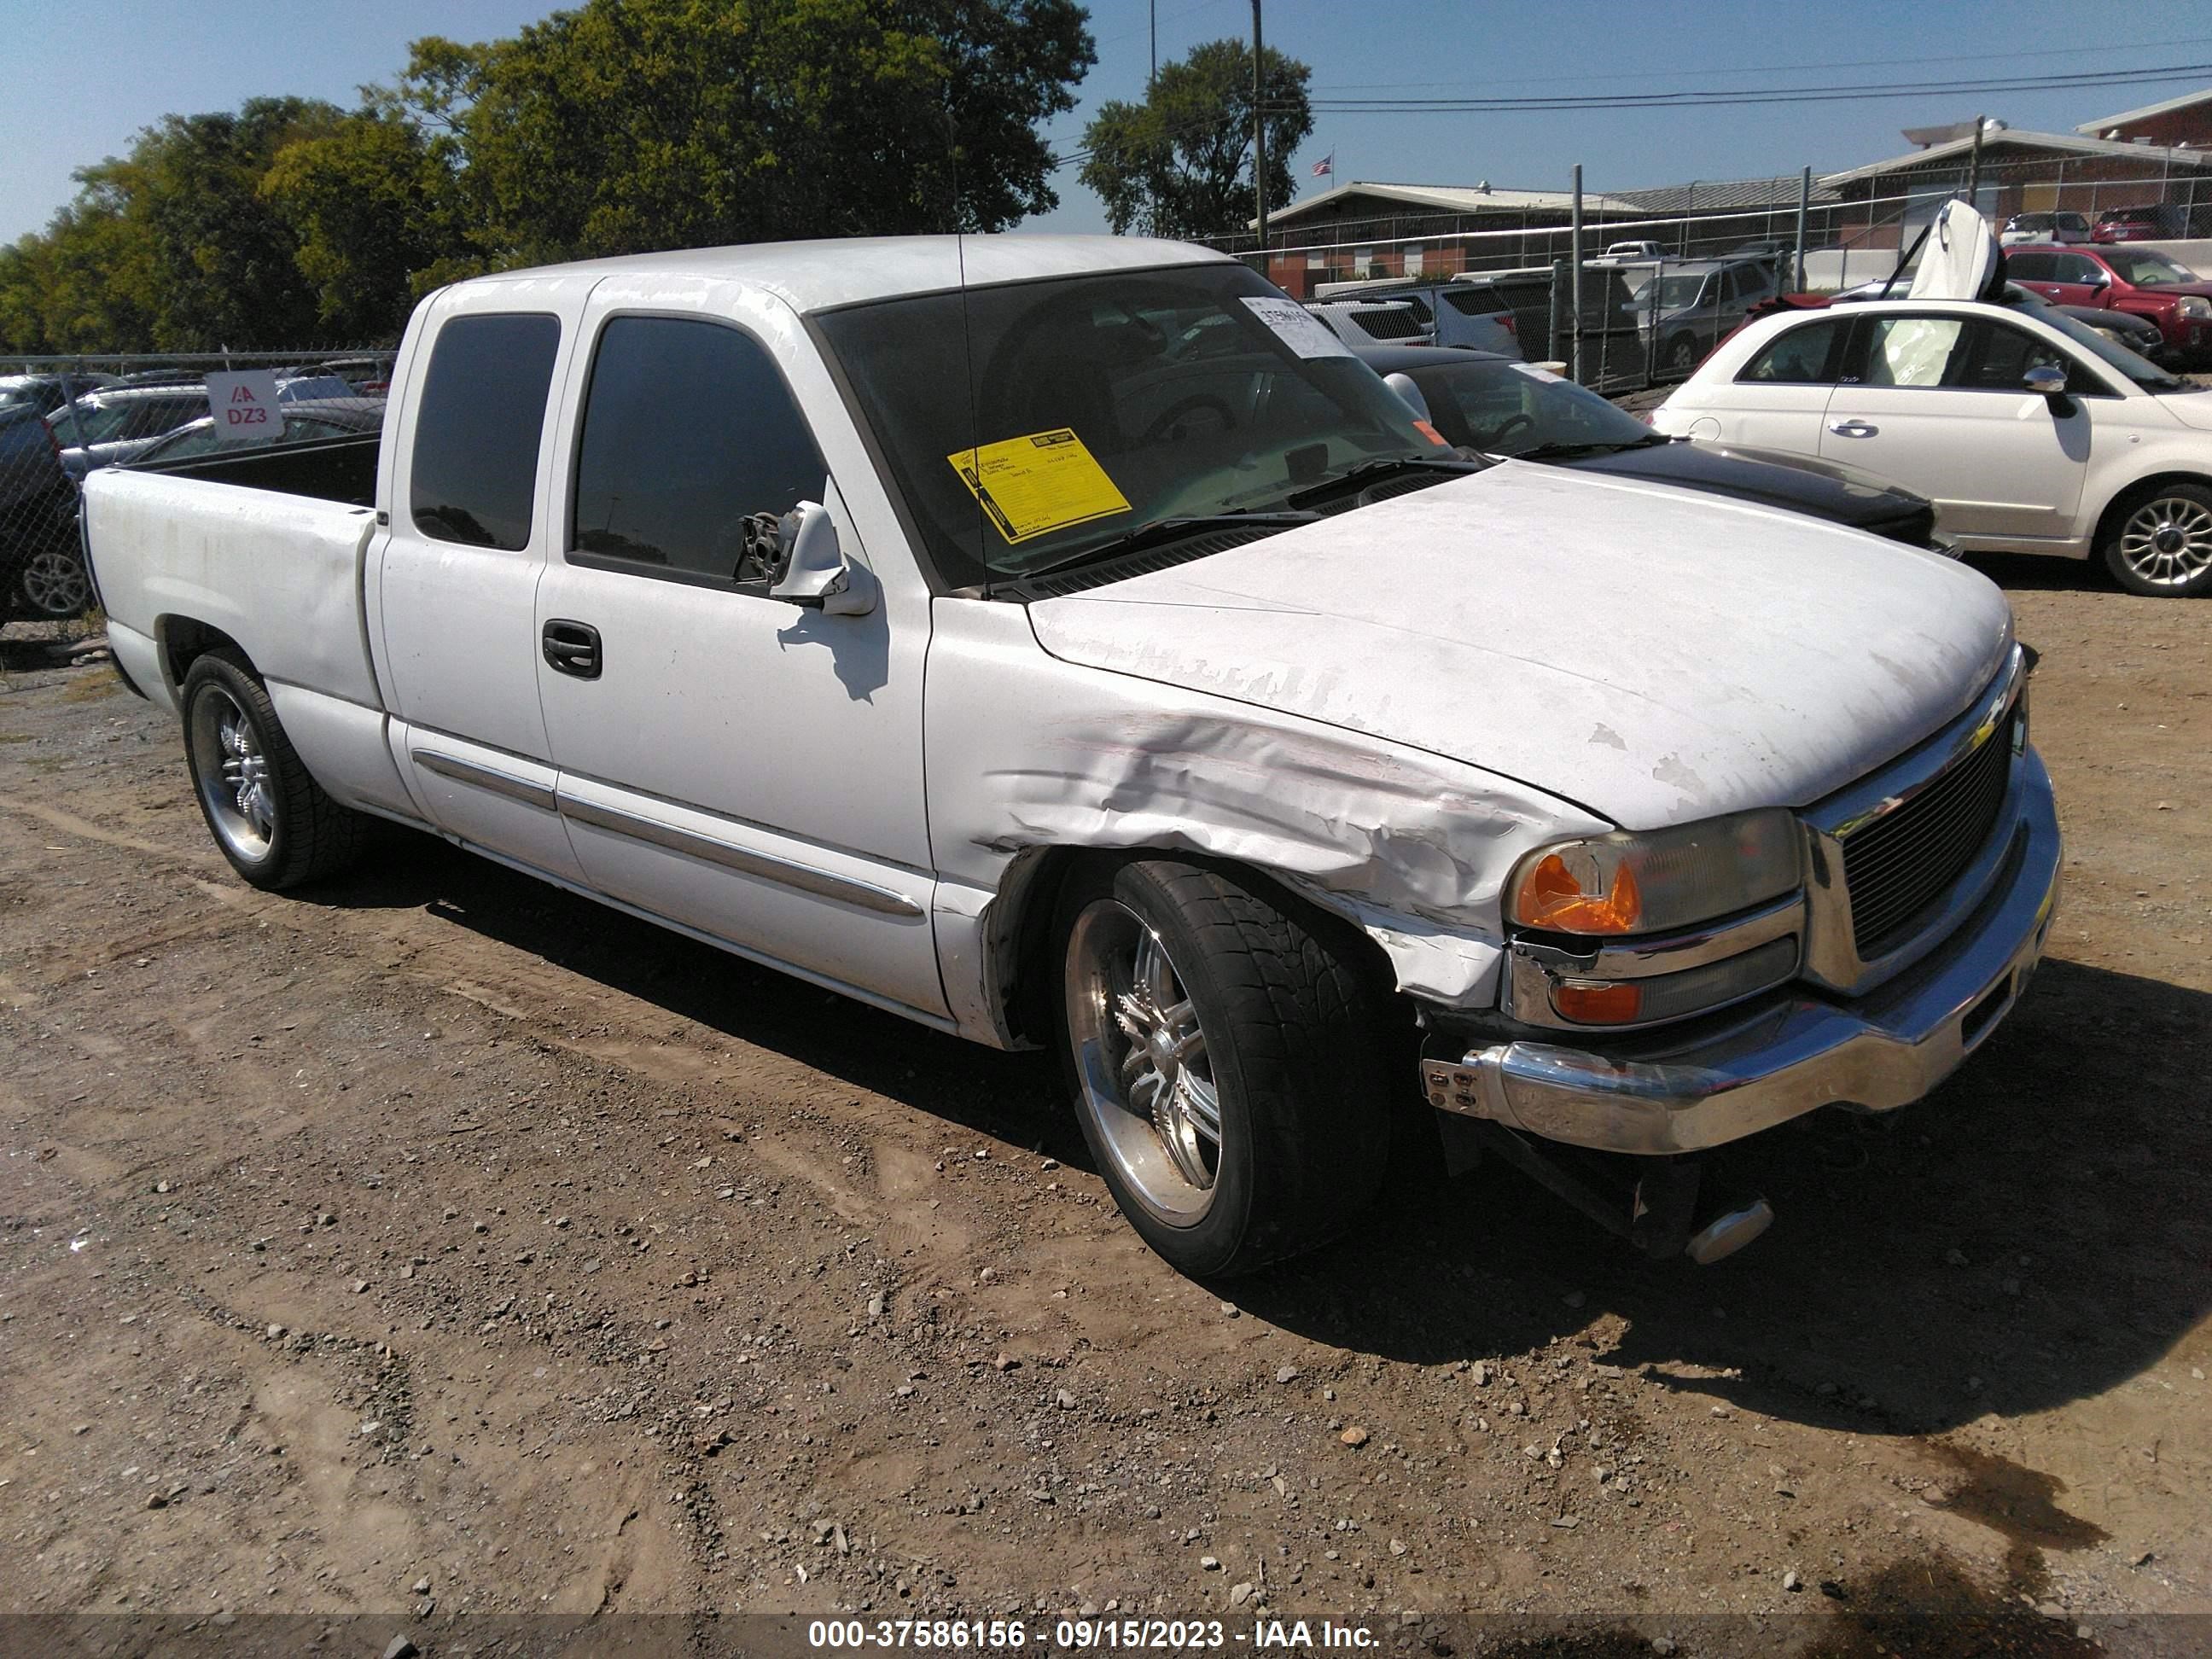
<point x="1044" y="482"/>
<point x="244" y="405"/>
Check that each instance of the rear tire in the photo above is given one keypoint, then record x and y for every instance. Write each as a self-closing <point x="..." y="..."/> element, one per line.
<point x="1229" y="1072"/>
<point x="54" y="586"/>
<point x="2159" y="542"/>
<point x="272" y="819"/>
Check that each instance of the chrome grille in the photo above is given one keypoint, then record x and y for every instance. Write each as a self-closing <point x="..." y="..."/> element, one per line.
<point x="1898" y="866"/>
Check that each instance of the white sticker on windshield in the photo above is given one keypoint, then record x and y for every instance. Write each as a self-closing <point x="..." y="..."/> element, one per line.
<point x="1536" y="373"/>
<point x="1297" y="327"/>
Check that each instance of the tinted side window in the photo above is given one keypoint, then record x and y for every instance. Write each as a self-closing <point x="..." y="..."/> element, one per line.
<point x="476" y="430"/>
<point x="1396" y="323"/>
<point x="1474" y="301"/>
<point x="1800" y="357"/>
<point x="688" y="430"/>
<point x="2025" y="267"/>
<point x="1997" y="357"/>
<point x="2079" y="268"/>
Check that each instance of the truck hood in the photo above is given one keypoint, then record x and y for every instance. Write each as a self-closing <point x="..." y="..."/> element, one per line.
<point x="1653" y="655"/>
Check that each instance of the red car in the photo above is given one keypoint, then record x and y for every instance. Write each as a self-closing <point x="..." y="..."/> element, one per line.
<point x="2130" y="224"/>
<point x="2133" y="280"/>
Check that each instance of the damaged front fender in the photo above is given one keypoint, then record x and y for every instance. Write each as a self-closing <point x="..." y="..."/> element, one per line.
<point x="1027" y="753"/>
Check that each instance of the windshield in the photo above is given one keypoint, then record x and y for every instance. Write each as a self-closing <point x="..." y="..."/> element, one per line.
<point x="88" y="422"/>
<point x="1677" y="293"/>
<point x="14" y="391"/>
<point x="2147" y="270"/>
<point x="2140" y="369"/>
<point x="1509" y="409"/>
<point x="1099" y="406"/>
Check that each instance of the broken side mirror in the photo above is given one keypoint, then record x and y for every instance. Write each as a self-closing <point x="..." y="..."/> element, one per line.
<point x="815" y="573"/>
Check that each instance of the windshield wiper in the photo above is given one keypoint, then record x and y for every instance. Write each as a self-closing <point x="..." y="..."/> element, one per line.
<point x="1553" y="452"/>
<point x="1160" y="532"/>
<point x="1376" y="468"/>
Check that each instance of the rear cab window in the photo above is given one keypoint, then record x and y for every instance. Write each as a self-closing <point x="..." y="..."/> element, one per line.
<point x="473" y="474"/>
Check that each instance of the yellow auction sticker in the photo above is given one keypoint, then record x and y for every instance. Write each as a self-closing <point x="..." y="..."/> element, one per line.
<point x="1032" y="486"/>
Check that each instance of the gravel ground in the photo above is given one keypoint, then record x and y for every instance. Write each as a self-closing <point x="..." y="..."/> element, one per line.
<point x="437" y="1243"/>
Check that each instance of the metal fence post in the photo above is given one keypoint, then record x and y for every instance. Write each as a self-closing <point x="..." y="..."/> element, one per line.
<point x="1575" y="280"/>
<point x="1804" y="205"/>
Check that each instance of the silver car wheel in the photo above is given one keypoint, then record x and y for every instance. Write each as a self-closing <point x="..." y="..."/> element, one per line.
<point x="2167" y="541"/>
<point x="233" y="774"/>
<point x="55" y="585"/>
<point x="1140" y="1053"/>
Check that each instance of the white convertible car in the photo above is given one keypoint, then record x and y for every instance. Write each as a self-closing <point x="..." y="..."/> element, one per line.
<point x="2031" y="432"/>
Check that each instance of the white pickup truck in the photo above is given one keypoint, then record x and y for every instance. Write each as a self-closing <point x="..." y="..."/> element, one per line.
<point x="1068" y="642"/>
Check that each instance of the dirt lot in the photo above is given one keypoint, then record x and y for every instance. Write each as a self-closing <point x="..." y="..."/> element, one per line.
<point x="437" y="1243"/>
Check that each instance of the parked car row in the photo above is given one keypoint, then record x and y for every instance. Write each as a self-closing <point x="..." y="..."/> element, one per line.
<point x="55" y="428"/>
<point x="2030" y="431"/>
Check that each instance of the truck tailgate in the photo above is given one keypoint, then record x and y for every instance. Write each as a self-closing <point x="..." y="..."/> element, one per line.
<point x="281" y="574"/>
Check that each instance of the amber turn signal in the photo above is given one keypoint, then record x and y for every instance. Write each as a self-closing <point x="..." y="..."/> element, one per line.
<point x="1599" y="1004"/>
<point x="1554" y="896"/>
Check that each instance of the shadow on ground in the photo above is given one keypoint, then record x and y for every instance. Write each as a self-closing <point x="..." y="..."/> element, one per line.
<point x="2031" y="1234"/>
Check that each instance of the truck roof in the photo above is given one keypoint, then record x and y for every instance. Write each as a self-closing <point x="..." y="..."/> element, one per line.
<point x="821" y="276"/>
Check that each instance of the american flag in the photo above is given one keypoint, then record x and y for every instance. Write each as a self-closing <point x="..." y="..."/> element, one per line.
<point x="1326" y="166"/>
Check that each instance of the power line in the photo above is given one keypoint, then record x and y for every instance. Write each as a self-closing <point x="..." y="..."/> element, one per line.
<point x="1692" y="99"/>
<point x="1764" y="69"/>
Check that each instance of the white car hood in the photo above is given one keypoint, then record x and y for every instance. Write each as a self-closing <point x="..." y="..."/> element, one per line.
<point x="2191" y="409"/>
<point x="1653" y="655"/>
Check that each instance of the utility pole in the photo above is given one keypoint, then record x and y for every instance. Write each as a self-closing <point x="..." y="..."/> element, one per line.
<point x="1974" y="165"/>
<point x="1259" y="143"/>
<point x="1155" y="76"/>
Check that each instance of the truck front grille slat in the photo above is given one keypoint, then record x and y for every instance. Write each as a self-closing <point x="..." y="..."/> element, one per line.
<point x="1905" y="861"/>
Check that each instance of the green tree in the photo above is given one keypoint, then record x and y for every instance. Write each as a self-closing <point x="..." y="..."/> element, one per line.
<point x="633" y="124"/>
<point x="223" y="256"/>
<point x="1179" y="163"/>
<point x="376" y="210"/>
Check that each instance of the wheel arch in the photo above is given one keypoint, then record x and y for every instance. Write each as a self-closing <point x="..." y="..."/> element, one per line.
<point x="2125" y="496"/>
<point x="179" y="641"/>
<point x="1023" y="986"/>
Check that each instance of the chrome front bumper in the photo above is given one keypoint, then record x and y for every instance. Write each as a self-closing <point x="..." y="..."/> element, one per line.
<point x="1797" y="1051"/>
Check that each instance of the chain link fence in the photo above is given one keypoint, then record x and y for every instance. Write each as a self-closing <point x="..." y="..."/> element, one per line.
<point x="62" y="418"/>
<point x="1667" y="274"/>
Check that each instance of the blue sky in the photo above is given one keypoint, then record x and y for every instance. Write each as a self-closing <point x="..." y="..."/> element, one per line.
<point x="85" y="74"/>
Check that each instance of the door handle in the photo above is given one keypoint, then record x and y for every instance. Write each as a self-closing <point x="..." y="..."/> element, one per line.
<point x="572" y="648"/>
<point x="1854" y="429"/>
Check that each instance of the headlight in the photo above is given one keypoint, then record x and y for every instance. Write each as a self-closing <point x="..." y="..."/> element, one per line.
<point x="1658" y="881"/>
<point x="2195" y="304"/>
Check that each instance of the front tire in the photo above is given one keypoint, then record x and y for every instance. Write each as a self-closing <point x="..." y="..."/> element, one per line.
<point x="1681" y="355"/>
<point x="2160" y="543"/>
<point x="272" y="819"/>
<point x="1229" y="1070"/>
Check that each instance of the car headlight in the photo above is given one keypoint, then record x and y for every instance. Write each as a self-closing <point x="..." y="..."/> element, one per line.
<point x="2195" y="304"/>
<point x="1657" y="881"/>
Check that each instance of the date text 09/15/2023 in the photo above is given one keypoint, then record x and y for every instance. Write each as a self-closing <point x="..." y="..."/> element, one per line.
<point x="1014" y="1636"/>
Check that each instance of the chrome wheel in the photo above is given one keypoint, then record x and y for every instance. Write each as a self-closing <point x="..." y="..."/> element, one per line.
<point x="55" y="585"/>
<point x="233" y="774"/>
<point x="1141" y="1055"/>
<point x="2167" y="542"/>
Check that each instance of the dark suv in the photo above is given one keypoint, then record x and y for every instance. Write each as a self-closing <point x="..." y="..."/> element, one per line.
<point x="42" y="576"/>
